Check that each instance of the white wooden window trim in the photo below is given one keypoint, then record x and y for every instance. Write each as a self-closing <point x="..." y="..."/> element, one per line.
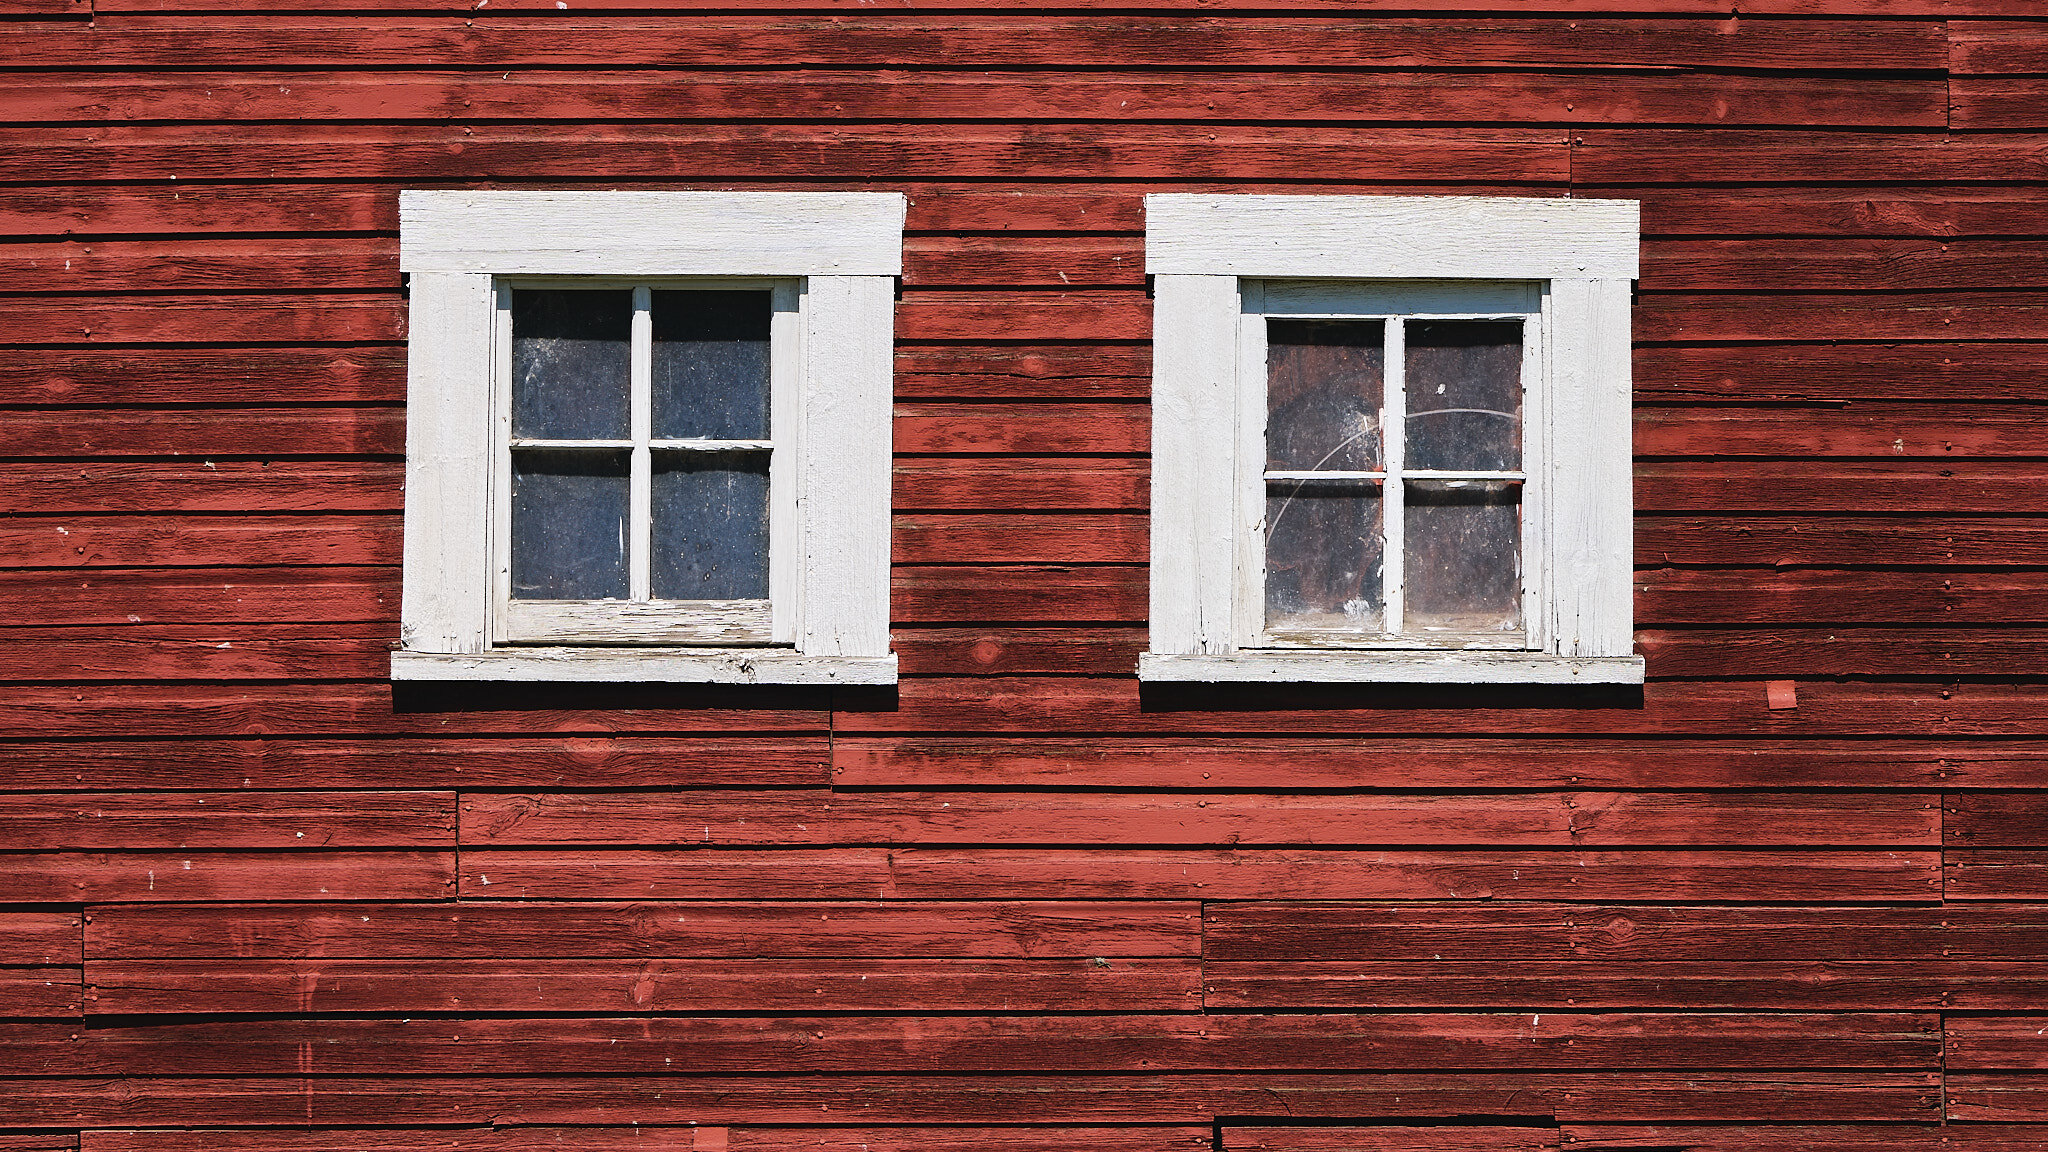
<point x="835" y="255"/>
<point x="1212" y="256"/>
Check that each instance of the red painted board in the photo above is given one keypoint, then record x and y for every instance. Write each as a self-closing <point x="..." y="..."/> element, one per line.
<point x="94" y="877"/>
<point x="135" y="820"/>
<point x="548" y="931"/>
<point x="39" y="992"/>
<point x="1994" y="874"/>
<point x="1843" y="876"/>
<point x="1995" y="819"/>
<point x="1985" y="1042"/>
<point x="1187" y="1098"/>
<point x="690" y="1138"/>
<point x="1548" y="819"/>
<point x="618" y="987"/>
<point x="1391" y="1138"/>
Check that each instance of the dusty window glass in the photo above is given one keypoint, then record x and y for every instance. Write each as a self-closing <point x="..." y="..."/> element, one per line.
<point x="711" y="365"/>
<point x="1324" y="540"/>
<point x="1464" y="556"/>
<point x="569" y="525"/>
<point x="1464" y="391"/>
<point x="571" y="363"/>
<point x="710" y="526"/>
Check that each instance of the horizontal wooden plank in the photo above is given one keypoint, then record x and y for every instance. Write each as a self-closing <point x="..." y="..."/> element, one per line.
<point x="1077" y="484"/>
<point x="1067" y="594"/>
<point x="1995" y="819"/>
<point x="1556" y="933"/>
<point x="325" y="432"/>
<point x="1540" y="818"/>
<point x="1819" y="1138"/>
<point x="425" y="761"/>
<point x="1994" y="874"/>
<point x="142" y="596"/>
<point x="1833" y="486"/>
<point x="1998" y="47"/>
<point x="1830" y="372"/>
<point x="1821" y="596"/>
<point x="1195" y="873"/>
<point x="1091" y="371"/>
<point x="1007" y="41"/>
<point x="184" y="540"/>
<point x="40" y="992"/>
<point x="1836" y="651"/>
<point x="1187" y="1098"/>
<point x="135" y="657"/>
<point x="2004" y="1042"/>
<point x="1946" y="315"/>
<point x="1995" y="1097"/>
<point x="97" y="712"/>
<point x="1039" y="929"/>
<point x="1990" y="103"/>
<point x="1834" y="8"/>
<point x="636" y="1138"/>
<point x="641" y="1045"/>
<point x="1033" y="429"/>
<point x="137" y="820"/>
<point x="1265" y="764"/>
<point x="1842" y="541"/>
<point x="1838" y="264"/>
<point x="1009" y="539"/>
<point x="1082" y="984"/>
<point x="1024" y="705"/>
<point x="426" y="152"/>
<point x="1635" y="157"/>
<point x="1864" y="208"/>
<point x="1562" y="97"/>
<point x="1929" y="983"/>
<point x="1391" y="1138"/>
<point x="201" y="486"/>
<point x="313" y="318"/>
<point x="158" y="376"/>
<point x="40" y="939"/>
<point x="89" y="877"/>
<point x="207" y="265"/>
<point x="1860" y="429"/>
<point x="1098" y="649"/>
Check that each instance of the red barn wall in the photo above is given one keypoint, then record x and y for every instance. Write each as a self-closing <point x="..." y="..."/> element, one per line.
<point x="1794" y="897"/>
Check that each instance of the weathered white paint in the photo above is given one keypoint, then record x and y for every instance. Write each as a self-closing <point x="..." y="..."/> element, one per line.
<point x="1391" y="237"/>
<point x="445" y="595"/>
<point x="1325" y="666"/>
<point x="1577" y="512"/>
<point x="832" y="347"/>
<point x="652" y="233"/>
<point x="646" y="665"/>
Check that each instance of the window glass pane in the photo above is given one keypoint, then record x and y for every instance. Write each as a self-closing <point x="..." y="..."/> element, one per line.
<point x="1464" y="388"/>
<point x="1323" y="549"/>
<point x="571" y="363"/>
<point x="1463" y="551"/>
<point x="711" y="526"/>
<point x="711" y="365"/>
<point x="569" y="525"/>
<point x="1323" y="393"/>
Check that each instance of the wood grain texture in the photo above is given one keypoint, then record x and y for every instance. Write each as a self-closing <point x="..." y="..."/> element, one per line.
<point x="689" y="1138"/>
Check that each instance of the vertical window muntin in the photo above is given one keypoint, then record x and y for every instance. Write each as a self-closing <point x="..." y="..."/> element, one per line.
<point x="642" y="618"/>
<point x="1393" y="306"/>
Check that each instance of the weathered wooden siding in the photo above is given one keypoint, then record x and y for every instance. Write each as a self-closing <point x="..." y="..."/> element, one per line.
<point x="250" y="898"/>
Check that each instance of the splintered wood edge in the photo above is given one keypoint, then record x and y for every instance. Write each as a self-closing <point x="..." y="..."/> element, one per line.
<point x="644" y="665"/>
<point x="1391" y="668"/>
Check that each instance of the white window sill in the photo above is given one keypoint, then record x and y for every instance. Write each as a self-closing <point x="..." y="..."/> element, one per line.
<point x="1390" y="668"/>
<point x="645" y="666"/>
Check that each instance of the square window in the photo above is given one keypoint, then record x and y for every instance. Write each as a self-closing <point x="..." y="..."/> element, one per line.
<point x="649" y="436"/>
<point x="1391" y="439"/>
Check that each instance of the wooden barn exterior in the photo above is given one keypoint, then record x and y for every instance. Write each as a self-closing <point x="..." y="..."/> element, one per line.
<point x="1789" y="893"/>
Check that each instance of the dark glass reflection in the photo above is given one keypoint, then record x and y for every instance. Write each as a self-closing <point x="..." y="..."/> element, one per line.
<point x="1323" y="555"/>
<point x="711" y="365"/>
<point x="1463" y="552"/>
<point x="1464" y="390"/>
<point x="569" y="534"/>
<point x="1323" y="393"/>
<point x="711" y="526"/>
<point x="572" y="363"/>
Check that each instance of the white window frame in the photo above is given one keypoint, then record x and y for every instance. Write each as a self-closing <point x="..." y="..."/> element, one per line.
<point x="830" y="259"/>
<point x="1211" y="259"/>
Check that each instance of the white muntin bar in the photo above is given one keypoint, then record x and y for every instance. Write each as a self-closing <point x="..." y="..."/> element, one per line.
<point x="1394" y="451"/>
<point x="640" y="517"/>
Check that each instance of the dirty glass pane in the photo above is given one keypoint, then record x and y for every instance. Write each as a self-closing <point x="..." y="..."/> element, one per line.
<point x="711" y="365"/>
<point x="569" y="525"/>
<point x="1323" y="549"/>
<point x="572" y="363"/>
<point x="1323" y="393"/>
<point x="711" y="526"/>
<point x="1464" y="389"/>
<point x="1463" y="549"/>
